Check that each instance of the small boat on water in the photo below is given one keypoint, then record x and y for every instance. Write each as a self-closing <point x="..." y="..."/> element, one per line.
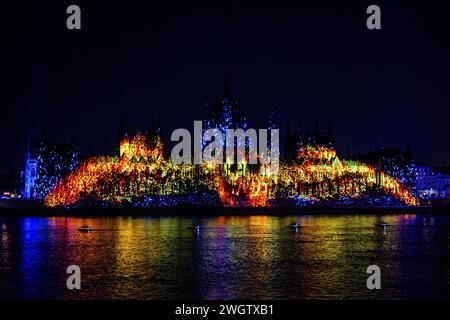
<point x="382" y="224"/>
<point x="197" y="227"/>
<point x="85" y="228"/>
<point x="428" y="222"/>
<point x="294" y="225"/>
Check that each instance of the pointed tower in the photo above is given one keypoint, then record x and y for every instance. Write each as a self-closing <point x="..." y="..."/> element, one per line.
<point x="205" y="107"/>
<point x="226" y="113"/>
<point x="288" y="142"/>
<point x="317" y="134"/>
<point x="299" y="136"/>
<point x="153" y="127"/>
<point x="226" y="87"/>
<point x="122" y="131"/>
<point x="31" y="167"/>
<point x="348" y="155"/>
<point x="122" y="125"/>
<point x="300" y="125"/>
<point x="408" y="152"/>
<point x="330" y="134"/>
<point x="28" y="149"/>
<point x="272" y="121"/>
<point x="158" y="124"/>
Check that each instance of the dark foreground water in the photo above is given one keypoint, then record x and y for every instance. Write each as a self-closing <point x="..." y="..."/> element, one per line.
<point x="253" y="257"/>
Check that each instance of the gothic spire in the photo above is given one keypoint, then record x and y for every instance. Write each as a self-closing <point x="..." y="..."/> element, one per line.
<point x="28" y="148"/>
<point x="408" y="153"/>
<point x="299" y="124"/>
<point x="122" y="124"/>
<point x="288" y="142"/>
<point x="226" y="87"/>
<point x="330" y="133"/>
<point x="288" y="129"/>
<point x="158" y="124"/>
<point x="272" y="123"/>
<point x="317" y="134"/>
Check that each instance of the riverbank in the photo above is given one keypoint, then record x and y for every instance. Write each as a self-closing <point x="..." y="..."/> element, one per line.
<point x="34" y="210"/>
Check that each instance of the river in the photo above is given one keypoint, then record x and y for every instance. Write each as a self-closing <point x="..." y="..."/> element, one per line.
<point x="230" y="257"/>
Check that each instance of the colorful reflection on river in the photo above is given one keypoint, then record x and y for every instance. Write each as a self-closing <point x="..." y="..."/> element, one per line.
<point x="231" y="257"/>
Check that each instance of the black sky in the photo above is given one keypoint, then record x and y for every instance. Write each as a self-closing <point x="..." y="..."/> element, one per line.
<point x="147" y="57"/>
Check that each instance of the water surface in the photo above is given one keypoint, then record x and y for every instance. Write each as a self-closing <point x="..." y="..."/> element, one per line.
<point x="232" y="257"/>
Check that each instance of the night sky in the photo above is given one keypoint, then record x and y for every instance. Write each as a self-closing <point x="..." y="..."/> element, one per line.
<point x="144" y="58"/>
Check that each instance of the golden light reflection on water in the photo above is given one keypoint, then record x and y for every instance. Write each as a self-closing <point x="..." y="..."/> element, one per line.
<point x="254" y="257"/>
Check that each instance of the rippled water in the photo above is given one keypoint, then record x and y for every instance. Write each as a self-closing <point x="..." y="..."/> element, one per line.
<point x="240" y="257"/>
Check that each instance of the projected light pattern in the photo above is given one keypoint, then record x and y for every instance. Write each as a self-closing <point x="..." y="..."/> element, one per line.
<point x="141" y="176"/>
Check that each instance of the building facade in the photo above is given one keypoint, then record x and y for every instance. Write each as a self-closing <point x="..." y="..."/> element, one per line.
<point x="432" y="182"/>
<point x="45" y="166"/>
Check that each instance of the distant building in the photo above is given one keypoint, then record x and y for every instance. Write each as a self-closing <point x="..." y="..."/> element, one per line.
<point x="432" y="182"/>
<point x="9" y="183"/>
<point x="443" y="181"/>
